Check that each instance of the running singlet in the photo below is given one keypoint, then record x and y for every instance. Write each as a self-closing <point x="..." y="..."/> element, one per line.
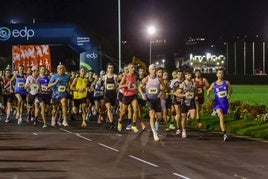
<point x="174" y="85"/>
<point x="34" y="87"/>
<point x="44" y="83"/>
<point x="220" y="94"/>
<point x="81" y="83"/>
<point x="98" y="92"/>
<point x="152" y="88"/>
<point x="60" y="89"/>
<point x="19" y="85"/>
<point x="133" y="86"/>
<point x="189" y="100"/>
<point x="200" y="84"/>
<point x="110" y="85"/>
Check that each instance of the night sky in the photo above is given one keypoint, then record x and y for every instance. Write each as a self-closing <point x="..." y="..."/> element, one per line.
<point x="175" y="20"/>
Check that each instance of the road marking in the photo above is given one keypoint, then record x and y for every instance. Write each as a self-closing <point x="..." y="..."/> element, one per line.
<point x="65" y="130"/>
<point x="78" y="135"/>
<point x="103" y="145"/>
<point x="120" y="135"/>
<point x="238" y="176"/>
<point x="35" y="133"/>
<point x="182" y="176"/>
<point x="149" y="163"/>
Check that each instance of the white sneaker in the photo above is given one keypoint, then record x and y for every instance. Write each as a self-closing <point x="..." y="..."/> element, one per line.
<point x="53" y="122"/>
<point x="178" y="132"/>
<point x="183" y="135"/>
<point x="19" y="121"/>
<point x="225" y="137"/>
<point x="156" y="138"/>
<point x="64" y="123"/>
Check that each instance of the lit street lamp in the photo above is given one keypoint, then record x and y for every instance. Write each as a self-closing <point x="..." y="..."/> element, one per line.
<point x="151" y="30"/>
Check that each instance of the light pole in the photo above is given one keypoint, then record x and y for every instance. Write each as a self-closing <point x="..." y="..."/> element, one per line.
<point x="151" y="30"/>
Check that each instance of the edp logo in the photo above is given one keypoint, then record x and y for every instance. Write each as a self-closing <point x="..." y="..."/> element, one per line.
<point x="92" y="55"/>
<point x="5" y="33"/>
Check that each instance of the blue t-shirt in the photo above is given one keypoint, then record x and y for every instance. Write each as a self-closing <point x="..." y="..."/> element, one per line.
<point x="19" y="85"/>
<point x="60" y="89"/>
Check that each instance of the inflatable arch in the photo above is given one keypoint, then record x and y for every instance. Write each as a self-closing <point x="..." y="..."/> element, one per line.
<point x="35" y="34"/>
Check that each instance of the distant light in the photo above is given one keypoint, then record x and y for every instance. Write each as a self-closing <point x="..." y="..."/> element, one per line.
<point x="191" y="56"/>
<point x="157" y="63"/>
<point x="151" y="30"/>
<point x="163" y="60"/>
<point x="212" y="46"/>
<point x="208" y="55"/>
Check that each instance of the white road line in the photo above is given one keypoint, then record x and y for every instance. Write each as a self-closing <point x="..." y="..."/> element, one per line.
<point x="108" y="147"/>
<point x="182" y="176"/>
<point x="149" y="163"/>
<point x="78" y="135"/>
<point x="120" y="135"/>
<point x="238" y="176"/>
<point x="35" y="133"/>
<point x="65" y="130"/>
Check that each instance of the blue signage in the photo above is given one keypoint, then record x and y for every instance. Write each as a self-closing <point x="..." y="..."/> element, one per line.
<point x="33" y="34"/>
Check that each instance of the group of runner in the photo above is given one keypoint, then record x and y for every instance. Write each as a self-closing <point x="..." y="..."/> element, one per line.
<point x="128" y="92"/>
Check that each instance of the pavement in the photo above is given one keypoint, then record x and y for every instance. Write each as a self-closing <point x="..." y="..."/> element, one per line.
<point x="30" y="152"/>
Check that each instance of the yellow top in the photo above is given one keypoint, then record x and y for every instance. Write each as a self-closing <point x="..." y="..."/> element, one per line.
<point x="81" y="83"/>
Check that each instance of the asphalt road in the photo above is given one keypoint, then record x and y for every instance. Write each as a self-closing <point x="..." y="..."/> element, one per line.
<point x="96" y="152"/>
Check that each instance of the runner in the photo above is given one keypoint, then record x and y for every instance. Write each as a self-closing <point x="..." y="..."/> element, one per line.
<point x="187" y="92"/>
<point x="110" y="85"/>
<point x="98" y="97"/>
<point x="152" y="88"/>
<point x="79" y="88"/>
<point x="59" y="83"/>
<point x="200" y="83"/>
<point x="141" y="102"/>
<point x="44" y="94"/>
<point x="32" y="86"/>
<point x="222" y="93"/>
<point x="129" y="85"/>
<point x="19" y="91"/>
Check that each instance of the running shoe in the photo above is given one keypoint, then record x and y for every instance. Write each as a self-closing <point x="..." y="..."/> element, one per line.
<point x="171" y="126"/>
<point x="59" y="123"/>
<point x="32" y="119"/>
<point x="84" y="124"/>
<point x="135" y="129"/>
<point x="225" y="137"/>
<point x="35" y="123"/>
<point x="44" y="126"/>
<point x="53" y="122"/>
<point x="17" y="115"/>
<point x="128" y="128"/>
<point x="64" y="123"/>
<point x="119" y="126"/>
<point x="20" y="121"/>
<point x="28" y="120"/>
<point x="143" y="126"/>
<point x="156" y="138"/>
<point x="178" y="132"/>
<point x="183" y="135"/>
<point x="167" y="129"/>
<point x="7" y="120"/>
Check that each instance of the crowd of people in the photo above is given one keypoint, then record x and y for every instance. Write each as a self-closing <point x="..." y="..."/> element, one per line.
<point x="172" y="100"/>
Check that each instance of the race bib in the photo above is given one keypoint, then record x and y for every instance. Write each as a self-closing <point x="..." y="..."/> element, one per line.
<point x="132" y="87"/>
<point x="61" y="88"/>
<point x="222" y="94"/>
<point x="34" y="87"/>
<point x="153" y="90"/>
<point x="110" y="87"/>
<point x="20" y="84"/>
<point x="44" y="88"/>
<point x="199" y="90"/>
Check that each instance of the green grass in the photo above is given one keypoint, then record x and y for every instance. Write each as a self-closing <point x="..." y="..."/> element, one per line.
<point x="251" y="94"/>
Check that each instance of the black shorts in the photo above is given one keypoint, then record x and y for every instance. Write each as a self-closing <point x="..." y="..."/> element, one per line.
<point x="31" y="99"/>
<point x="77" y="102"/>
<point x="128" y="99"/>
<point x="23" y="96"/>
<point x="90" y="97"/>
<point x="154" y="104"/>
<point x="200" y="101"/>
<point x="44" y="98"/>
<point x="185" y="108"/>
<point x="56" y="101"/>
<point x="120" y="96"/>
<point x="168" y="103"/>
<point x="8" y="98"/>
<point x="110" y="98"/>
<point x="141" y="102"/>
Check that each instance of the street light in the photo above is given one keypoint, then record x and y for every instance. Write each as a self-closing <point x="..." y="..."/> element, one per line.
<point x="151" y="30"/>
